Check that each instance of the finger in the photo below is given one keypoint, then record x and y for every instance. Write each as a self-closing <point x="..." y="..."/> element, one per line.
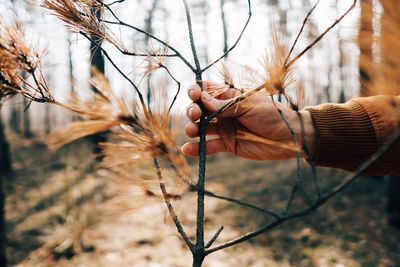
<point x="193" y="112"/>
<point x="212" y="105"/>
<point x="229" y="94"/>
<point x="212" y="147"/>
<point x="226" y="93"/>
<point x="194" y="92"/>
<point x="192" y="129"/>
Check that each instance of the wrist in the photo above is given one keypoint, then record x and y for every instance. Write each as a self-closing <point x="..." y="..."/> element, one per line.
<point x="306" y="134"/>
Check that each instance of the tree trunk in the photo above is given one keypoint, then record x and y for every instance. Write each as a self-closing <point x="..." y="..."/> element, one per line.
<point x="97" y="61"/>
<point x="5" y="174"/>
<point x="391" y="10"/>
<point x="70" y="65"/>
<point x="149" y="28"/>
<point x="365" y="40"/>
<point x="96" y="57"/>
<point x="26" y="120"/>
<point x="15" y="115"/>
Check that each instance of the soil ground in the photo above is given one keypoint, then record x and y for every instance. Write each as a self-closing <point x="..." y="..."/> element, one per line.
<point x="60" y="212"/>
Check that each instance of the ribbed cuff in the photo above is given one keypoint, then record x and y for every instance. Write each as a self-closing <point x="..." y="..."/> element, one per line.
<point x="345" y="135"/>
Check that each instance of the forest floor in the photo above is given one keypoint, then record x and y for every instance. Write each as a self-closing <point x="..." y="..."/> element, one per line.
<point x="60" y="212"/>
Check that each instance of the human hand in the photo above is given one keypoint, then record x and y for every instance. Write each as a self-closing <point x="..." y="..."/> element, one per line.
<point x="252" y="129"/>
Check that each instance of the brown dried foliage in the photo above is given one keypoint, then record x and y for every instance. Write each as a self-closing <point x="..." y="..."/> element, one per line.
<point x="18" y="58"/>
<point x="154" y="61"/>
<point x="80" y="16"/>
<point x="135" y="136"/>
<point x="278" y="75"/>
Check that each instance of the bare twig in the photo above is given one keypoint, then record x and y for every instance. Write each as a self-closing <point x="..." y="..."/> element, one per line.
<point x="212" y="240"/>
<point x="234" y="101"/>
<point x="237" y="40"/>
<point x="225" y="198"/>
<point x="301" y="30"/>
<point x="178" y="89"/>
<point x="191" y="37"/>
<point x="242" y="203"/>
<point x="316" y="40"/>
<point x="119" y="70"/>
<point x="122" y="23"/>
<point x="116" y="2"/>
<point x="171" y="210"/>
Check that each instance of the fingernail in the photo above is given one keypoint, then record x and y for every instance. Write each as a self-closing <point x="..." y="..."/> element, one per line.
<point x="190" y="92"/>
<point x="190" y="112"/>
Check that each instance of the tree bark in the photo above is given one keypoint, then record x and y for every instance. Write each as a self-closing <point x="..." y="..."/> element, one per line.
<point x="5" y="174"/>
<point x="391" y="10"/>
<point x="97" y="61"/>
<point x="365" y="40"/>
<point x="26" y="120"/>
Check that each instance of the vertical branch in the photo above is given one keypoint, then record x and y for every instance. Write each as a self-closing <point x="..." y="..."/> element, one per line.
<point x="191" y="37"/>
<point x="119" y="71"/>
<point x="198" y="254"/>
<point x="237" y="40"/>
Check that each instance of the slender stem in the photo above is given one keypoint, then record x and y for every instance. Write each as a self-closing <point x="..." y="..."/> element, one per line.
<point x="212" y="240"/>
<point x="171" y="210"/>
<point x="316" y="40"/>
<point x="237" y="40"/>
<point x="241" y="203"/>
<point x="191" y="37"/>
<point x="345" y="183"/>
<point x="198" y="255"/>
<point x="122" y="23"/>
<point x="118" y="69"/>
<point x="225" y="198"/>
<point x="198" y="261"/>
<point x="177" y="91"/>
<point x="233" y="102"/>
<point x="301" y="30"/>
<point x="116" y="2"/>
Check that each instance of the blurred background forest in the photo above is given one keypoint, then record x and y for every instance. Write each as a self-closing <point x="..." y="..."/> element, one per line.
<point x="61" y="211"/>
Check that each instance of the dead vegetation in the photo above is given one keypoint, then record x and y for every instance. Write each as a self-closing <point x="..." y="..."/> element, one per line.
<point x="138" y="132"/>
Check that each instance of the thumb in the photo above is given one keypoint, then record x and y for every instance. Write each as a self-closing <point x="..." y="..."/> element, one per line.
<point x="211" y="103"/>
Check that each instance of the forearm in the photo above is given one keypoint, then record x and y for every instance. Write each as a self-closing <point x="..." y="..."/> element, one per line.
<point x="305" y="134"/>
<point x="348" y="134"/>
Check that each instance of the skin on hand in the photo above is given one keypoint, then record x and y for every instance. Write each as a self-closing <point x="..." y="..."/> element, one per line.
<point x="254" y="116"/>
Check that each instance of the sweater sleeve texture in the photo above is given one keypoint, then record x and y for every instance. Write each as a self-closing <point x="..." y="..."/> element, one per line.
<point x="348" y="134"/>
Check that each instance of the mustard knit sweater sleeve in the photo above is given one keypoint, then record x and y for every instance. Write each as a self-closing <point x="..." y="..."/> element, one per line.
<point x="348" y="134"/>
